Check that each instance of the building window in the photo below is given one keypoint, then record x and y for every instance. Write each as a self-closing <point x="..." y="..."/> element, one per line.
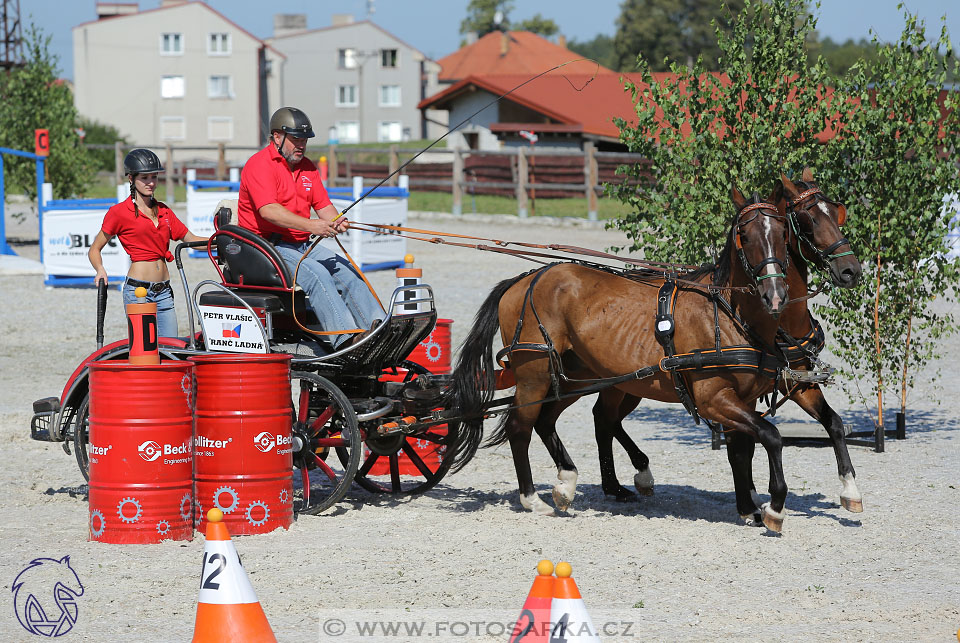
<point x="347" y="96"/>
<point x="347" y="58"/>
<point x="171" y="87"/>
<point x="388" y="58"/>
<point x="173" y="128"/>
<point x="389" y="95"/>
<point x="220" y="128"/>
<point x="220" y="87"/>
<point x="389" y="131"/>
<point x="171" y="44"/>
<point x="218" y="44"/>
<point x="348" y="131"/>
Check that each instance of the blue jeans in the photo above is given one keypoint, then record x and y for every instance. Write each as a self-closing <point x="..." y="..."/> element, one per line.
<point x="339" y="297"/>
<point x="166" y="313"/>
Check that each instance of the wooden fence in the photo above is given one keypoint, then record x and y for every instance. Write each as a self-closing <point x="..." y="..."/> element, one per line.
<point x="518" y="172"/>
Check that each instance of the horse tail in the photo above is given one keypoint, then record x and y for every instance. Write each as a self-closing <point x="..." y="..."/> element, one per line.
<point x="473" y="382"/>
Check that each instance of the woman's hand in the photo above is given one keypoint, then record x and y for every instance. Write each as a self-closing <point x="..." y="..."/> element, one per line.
<point x="101" y="276"/>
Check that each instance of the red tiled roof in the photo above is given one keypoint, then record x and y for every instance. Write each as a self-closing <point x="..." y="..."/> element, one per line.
<point x="526" y="54"/>
<point x="600" y="98"/>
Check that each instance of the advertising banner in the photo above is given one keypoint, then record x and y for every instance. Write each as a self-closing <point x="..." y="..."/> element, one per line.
<point x="67" y="236"/>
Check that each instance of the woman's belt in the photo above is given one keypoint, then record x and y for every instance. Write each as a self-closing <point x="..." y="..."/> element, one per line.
<point x="155" y="287"/>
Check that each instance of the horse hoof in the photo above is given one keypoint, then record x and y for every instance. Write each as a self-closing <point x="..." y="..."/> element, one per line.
<point x="536" y="506"/>
<point x="771" y="519"/>
<point x="852" y="505"/>
<point x="621" y="494"/>
<point x="752" y="520"/>
<point x="560" y="500"/>
<point x="643" y="482"/>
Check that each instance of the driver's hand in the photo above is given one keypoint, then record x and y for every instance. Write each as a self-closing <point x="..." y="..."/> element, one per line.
<point x="342" y="224"/>
<point x="323" y="228"/>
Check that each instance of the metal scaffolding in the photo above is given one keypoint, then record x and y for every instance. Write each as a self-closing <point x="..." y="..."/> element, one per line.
<point x="11" y="42"/>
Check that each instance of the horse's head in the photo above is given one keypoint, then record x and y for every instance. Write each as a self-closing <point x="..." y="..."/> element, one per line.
<point x="759" y="235"/>
<point x="45" y="596"/>
<point x="816" y="221"/>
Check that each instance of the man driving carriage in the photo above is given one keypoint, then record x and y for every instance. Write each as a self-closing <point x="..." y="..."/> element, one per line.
<point x="278" y="187"/>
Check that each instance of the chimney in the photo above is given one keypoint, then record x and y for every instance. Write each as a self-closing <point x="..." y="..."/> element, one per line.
<point x="287" y="24"/>
<point x="562" y="41"/>
<point x="504" y="43"/>
<point x="114" y="9"/>
<point x="341" y="19"/>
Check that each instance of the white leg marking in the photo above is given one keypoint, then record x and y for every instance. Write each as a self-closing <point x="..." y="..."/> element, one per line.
<point x="850" y="496"/>
<point x="770" y="512"/>
<point x="536" y="505"/>
<point x="643" y="481"/>
<point x="565" y="489"/>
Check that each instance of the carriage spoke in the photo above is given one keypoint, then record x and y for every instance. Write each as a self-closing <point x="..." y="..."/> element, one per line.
<point x="417" y="460"/>
<point x="368" y="464"/>
<point x="395" y="472"/>
<point x="303" y="407"/>
<point x="323" y="466"/>
<point x="305" y="477"/>
<point x="322" y="419"/>
<point x="332" y="442"/>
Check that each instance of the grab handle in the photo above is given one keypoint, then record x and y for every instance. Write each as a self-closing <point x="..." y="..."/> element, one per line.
<point x="101" y="310"/>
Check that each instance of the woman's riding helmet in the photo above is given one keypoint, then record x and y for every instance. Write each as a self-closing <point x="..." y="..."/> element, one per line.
<point x="141" y="161"/>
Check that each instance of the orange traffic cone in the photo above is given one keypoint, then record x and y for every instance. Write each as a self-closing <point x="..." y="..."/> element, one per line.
<point x="228" y="609"/>
<point x="533" y="624"/>
<point x="568" y="613"/>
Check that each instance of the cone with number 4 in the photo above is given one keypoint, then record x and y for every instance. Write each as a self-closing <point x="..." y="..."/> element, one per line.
<point x="533" y="624"/>
<point x="228" y="609"/>
<point x="568" y="614"/>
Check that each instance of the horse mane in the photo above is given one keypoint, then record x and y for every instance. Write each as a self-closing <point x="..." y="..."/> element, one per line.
<point x="719" y="271"/>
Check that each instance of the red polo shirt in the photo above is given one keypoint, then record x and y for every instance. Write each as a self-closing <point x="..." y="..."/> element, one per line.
<point x="139" y="237"/>
<point x="266" y="178"/>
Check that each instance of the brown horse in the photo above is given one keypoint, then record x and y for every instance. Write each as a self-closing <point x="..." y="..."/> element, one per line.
<point x="578" y="318"/>
<point x="816" y="239"/>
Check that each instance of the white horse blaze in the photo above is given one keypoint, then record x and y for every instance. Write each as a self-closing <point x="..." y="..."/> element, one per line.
<point x="565" y="490"/>
<point x="850" y="496"/>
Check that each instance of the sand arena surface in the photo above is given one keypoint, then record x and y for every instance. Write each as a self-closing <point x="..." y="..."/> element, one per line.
<point x="673" y="567"/>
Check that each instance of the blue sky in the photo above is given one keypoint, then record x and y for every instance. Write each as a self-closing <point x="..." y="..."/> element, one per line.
<point x="433" y="26"/>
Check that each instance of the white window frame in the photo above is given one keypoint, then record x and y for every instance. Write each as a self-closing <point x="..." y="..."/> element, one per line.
<point x="222" y="119"/>
<point x="342" y="128"/>
<point x="173" y="77"/>
<point x="385" y="139"/>
<point x="338" y="91"/>
<point x="173" y="119"/>
<point x="182" y="41"/>
<point x="396" y="56"/>
<point x="229" y="93"/>
<point x="382" y="95"/>
<point x="227" y="40"/>
<point x="347" y="58"/>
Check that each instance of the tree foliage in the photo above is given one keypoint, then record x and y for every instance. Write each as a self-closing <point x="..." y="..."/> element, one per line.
<point x="898" y="145"/>
<point x="678" y="30"/>
<point x="600" y="48"/>
<point x="34" y="98"/>
<point x="701" y="131"/>
<point x="95" y="133"/>
<point x="481" y="18"/>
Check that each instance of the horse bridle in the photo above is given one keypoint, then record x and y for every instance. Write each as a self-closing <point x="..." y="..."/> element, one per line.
<point x="814" y="195"/>
<point x="754" y="271"/>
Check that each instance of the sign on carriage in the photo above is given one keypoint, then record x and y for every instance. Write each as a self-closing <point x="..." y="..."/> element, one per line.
<point x="231" y="330"/>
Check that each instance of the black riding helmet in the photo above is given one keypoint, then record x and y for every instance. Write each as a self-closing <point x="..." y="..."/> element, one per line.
<point x="292" y="121"/>
<point x="141" y="161"/>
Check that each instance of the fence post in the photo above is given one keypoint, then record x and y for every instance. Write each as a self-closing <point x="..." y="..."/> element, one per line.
<point x="332" y="166"/>
<point x="521" y="183"/>
<point x="118" y="162"/>
<point x="457" y="187"/>
<point x="394" y="163"/>
<point x="221" y="162"/>
<point x="590" y="176"/>
<point x="349" y="163"/>
<point x="169" y="175"/>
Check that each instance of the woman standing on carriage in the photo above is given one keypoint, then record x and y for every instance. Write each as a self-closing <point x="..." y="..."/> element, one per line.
<point x="145" y="228"/>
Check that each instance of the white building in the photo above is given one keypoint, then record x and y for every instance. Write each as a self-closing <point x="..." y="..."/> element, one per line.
<point x="181" y="74"/>
<point x="356" y="82"/>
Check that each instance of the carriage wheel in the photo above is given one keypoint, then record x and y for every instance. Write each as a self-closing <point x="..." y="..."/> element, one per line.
<point x="323" y="420"/>
<point x="385" y="471"/>
<point x="81" y="430"/>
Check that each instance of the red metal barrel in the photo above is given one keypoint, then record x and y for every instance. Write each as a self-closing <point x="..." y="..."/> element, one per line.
<point x="434" y="352"/>
<point x="141" y="451"/>
<point x="243" y="447"/>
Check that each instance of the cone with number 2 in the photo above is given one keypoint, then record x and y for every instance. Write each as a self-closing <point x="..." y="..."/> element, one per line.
<point x="228" y="609"/>
<point x="533" y="624"/>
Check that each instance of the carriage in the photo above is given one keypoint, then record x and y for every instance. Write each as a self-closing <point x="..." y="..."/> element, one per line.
<point x="359" y="413"/>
